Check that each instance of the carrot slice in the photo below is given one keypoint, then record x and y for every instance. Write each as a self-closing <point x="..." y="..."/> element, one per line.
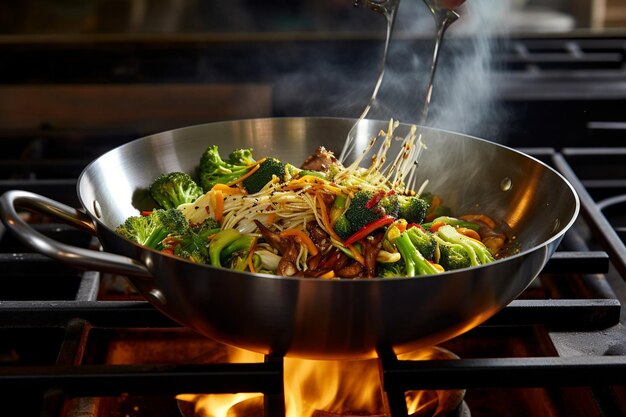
<point x="225" y="189"/>
<point x="480" y="218"/>
<point x="326" y="220"/>
<point x="303" y="237"/>
<point x="328" y="275"/>
<point x="436" y="226"/>
<point x="357" y="256"/>
<point x="219" y="205"/>
<point x="247" y="174"/>
<point x="468" y="232"/>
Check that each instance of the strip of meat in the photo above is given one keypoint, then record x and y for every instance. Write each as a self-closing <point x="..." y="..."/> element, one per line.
<point x="318" y="236"/>
<point x="371" y="246"/>
<point x="274" y="239"/>
<point x="320" y="160"/>
<point x="287" y="264"/>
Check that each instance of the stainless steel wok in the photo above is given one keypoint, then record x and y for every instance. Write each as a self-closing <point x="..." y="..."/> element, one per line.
<point x="307" y="317"/>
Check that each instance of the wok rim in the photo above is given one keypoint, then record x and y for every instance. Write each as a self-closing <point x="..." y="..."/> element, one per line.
<point x="526" y="252"/>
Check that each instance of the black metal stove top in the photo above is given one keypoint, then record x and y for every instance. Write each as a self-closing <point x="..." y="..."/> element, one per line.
<point x="560" y="349"/>
<point x="566" y="331"/>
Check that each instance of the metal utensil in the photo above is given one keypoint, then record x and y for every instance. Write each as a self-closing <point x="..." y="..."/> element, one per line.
<point x="444" y="17"/>
<point x="389" y="9"/>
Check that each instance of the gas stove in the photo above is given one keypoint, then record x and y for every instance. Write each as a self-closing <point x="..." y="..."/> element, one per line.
<point x="76" y="343"/>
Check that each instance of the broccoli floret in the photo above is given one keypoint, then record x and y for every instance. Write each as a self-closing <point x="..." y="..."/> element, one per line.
<point x="452" y="256"/>
<point x="477" y="252"/>
<point x="152" y="229"/>
<point x="391" y="205"/>
<point x="173" y="189"/>
<point x="214" y="170"/>
<point x="412" y="209"/>
<point x="173" y="220"/>
<point x="208" y="227"/>
<point x="415" y="263"/>
<point x="435" y="208"/>
<point x="193" y="244"/>
<point x="241" y="157"/>
<point x="358" y="215"/>
<point x="392" y="269"/>
<point x="423" y="242"/>
<point x="452" y="221"/>
<point x="267" y="169"/>
<point x="342" y="227"/>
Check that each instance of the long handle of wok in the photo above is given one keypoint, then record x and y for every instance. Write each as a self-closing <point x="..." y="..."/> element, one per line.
<point x="75" y="256"/>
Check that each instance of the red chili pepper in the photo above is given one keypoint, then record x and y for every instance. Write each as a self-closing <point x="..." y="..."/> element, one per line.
<point x="369" y="228"/>
<point x="377" y="197"/>
<point x="374" y="200"/>
<point x="146" y="213"/>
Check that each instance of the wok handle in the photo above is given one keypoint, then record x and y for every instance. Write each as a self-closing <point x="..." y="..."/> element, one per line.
<point x="75" y="256"/>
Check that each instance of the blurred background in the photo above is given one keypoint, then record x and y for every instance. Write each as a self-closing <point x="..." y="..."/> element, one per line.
<point x="513" y="71"/>
<point x="197" y="16"/>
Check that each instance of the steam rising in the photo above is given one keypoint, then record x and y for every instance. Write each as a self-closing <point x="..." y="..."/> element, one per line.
<point x="465" y="84"/>
<point x="465" y="89"/>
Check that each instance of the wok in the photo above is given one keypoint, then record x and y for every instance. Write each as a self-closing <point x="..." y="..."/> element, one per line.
<point x="304" y="317"/>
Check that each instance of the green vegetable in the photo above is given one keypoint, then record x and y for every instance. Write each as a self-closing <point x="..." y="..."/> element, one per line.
<point x="317" y="174"/>
<point x="348" y="252"/>
<point x="342" y="227"/>
<point x="338" y="207"/>
<point x="392" y="270"/>
<point x="477" y="252"/>
<point x="219" y="242"/>
<point x="243" y="244"/>
<point x="452" y="256"/>
<point x="173" y="189"/>
<point x="452" y="222"/>
<point x="214" y="170"/>
<point x="193" y="244"/>
<point x="391" y="205"/>
<point x="267" y="169"/>
<point x="423" y="242"/>
<point x="241" y="157"/>
<point x="368" y="229"/>
<point x="412" y="209"/>
<point x="415" y="263"/>
<point x="152" y="229"/>
<point x="358" y="215"/>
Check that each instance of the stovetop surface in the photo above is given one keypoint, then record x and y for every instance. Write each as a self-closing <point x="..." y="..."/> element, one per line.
<point x="564" y="337"/>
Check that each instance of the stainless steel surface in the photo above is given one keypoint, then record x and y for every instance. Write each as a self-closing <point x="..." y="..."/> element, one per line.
<point x="335" y="318"/>
<point x="83" y="258"/>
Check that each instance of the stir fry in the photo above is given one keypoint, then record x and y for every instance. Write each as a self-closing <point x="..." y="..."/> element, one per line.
<point x="320" y="220"/>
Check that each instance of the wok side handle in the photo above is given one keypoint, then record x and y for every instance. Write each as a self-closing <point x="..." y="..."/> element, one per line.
<point x="75" y="256"/>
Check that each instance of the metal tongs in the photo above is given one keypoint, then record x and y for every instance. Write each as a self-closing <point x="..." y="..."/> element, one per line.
<point x="444" y="15"/>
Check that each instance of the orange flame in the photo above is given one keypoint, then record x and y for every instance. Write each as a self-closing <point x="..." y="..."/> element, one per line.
<point x="219" y="405"/>
<point x="327" y="387"/>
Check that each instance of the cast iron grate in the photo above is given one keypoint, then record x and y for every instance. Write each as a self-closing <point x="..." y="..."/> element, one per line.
<point x="65" y="320"/>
